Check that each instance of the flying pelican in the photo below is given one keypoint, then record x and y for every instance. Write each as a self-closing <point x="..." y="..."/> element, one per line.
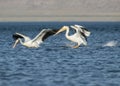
<point x="78" y="37"/>
<point x="28" y="42"/>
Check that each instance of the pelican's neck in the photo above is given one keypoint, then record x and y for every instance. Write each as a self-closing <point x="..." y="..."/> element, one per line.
<point x="21" y="41"/>
<point x="67" y="32"/>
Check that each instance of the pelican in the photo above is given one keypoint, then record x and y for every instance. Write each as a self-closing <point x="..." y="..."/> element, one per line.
<point x="79" y="37"/>
<point x="35" y="42"/>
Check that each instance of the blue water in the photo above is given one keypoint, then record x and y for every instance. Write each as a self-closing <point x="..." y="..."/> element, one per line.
<point x="54" y="64"/>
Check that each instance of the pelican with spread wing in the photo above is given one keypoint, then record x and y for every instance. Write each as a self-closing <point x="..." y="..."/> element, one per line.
<point x="78" y="37"/>
<point x="34" y="43"/>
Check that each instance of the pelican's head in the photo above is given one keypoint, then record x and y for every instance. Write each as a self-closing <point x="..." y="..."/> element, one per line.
<point x="16" y="42"/>
<point x="62" y="29"/>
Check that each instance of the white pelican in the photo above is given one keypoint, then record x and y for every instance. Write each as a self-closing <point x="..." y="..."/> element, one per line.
<point x="28" y="42"/>
<point x="78" y="37"/>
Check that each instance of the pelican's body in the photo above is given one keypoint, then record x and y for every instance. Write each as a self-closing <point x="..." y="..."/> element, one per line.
<point x="78" y="37"/>
<point x="33" y="42"/>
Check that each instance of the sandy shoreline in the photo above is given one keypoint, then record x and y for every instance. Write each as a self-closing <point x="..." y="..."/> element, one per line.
<point x="52" y="18"/>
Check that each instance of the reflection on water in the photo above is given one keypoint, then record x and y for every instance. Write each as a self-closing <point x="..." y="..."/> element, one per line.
<point x="55" y="65"/>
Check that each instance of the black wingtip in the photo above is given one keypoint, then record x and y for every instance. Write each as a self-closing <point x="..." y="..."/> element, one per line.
<point x="54" y="31"/>
<point x="16" y="36"/>
<point x="49" y="33"/>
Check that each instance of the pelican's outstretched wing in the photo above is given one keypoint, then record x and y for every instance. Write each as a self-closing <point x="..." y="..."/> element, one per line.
<point x="83" y="29"/>
<point x="18" y="35"/>
<point x="45" y="33"/>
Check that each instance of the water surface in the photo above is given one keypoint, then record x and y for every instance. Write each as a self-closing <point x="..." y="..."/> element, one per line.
<point x="54" y="64"/>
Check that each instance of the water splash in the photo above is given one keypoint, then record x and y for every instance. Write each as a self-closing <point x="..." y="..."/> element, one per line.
<point x="111" y="43"/>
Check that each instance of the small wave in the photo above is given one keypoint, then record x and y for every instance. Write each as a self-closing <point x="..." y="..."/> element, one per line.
<point x="111" y="43"/>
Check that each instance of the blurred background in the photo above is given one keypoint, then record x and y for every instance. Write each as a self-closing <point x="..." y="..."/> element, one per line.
<point x="59" y="10"/>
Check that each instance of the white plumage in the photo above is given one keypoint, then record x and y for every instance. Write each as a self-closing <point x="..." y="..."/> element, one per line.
<point x="79" y="37"/>
<point x="35" y="42"/>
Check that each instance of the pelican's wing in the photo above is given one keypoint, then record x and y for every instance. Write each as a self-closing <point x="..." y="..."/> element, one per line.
<point x="84" y="30"/>
<point x="18" y="35"/>
<point x="79" y="32"/>
<point x="45" y="33"/>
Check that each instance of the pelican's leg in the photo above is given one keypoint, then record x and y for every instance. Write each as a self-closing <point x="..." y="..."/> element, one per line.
<point x="76" y="46"/>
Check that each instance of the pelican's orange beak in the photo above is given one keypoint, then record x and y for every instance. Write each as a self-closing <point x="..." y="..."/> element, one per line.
<point x="61" y="30"/>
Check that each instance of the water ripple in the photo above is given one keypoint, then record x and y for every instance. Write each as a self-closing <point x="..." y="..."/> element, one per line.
<point x="54" y="63"/>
